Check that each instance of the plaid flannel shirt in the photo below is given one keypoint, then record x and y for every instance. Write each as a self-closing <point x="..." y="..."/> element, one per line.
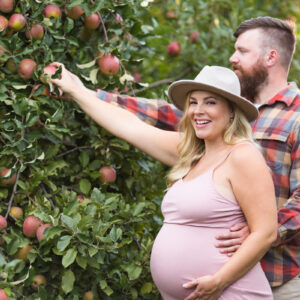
<point x="277" y="130"/>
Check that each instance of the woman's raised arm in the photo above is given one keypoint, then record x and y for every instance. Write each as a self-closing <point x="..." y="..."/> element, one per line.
<point x="160" y="144"/>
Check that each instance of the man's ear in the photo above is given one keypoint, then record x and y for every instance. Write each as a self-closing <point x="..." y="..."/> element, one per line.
<point x="271" y="58"/>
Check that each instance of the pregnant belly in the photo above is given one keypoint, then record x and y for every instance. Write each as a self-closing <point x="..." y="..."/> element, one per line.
<point x="183" y="253"/>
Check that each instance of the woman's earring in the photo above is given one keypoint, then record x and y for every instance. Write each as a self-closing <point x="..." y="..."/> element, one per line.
<point x="231" y="119"/>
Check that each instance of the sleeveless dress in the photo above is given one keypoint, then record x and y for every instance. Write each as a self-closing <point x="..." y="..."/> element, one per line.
<point x="184" y="249"/>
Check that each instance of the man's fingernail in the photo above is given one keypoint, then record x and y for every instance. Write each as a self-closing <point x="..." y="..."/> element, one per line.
<point x="185" y="285"/>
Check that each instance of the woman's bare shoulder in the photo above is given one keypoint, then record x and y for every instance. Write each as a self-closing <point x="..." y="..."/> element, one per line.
<point x="246" y="155"/>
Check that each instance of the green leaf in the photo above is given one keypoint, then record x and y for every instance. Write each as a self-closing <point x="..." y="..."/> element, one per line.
<point x="63" y="242"/>
<point x="2" y="260"/>
<point x="96" y="195"/>
<point x="69" y="257"/>
<point x="92" y="251"/>
<point x="85" y="186"/>
<point x="134" y="271"/>
<point x="69" y="25"/>
<point x="68" y="222"/>
<point x="138" y="208"/>
<point x="68" y="280"/>
<point x="146" y="288"/>
<point x="84" y="158"/>
<point x="81" y="261"/>
<point x="115" y="234"/>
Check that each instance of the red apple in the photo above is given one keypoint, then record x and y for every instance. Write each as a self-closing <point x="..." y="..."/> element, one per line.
<point x="45" y="91"/>
<point x="171" y="14"/>
<point x="3" y="222"/>
<point x="6" y="177"/>
<point x="11" y="66"/>
<point x="174" y="48"/>
<point x="3" y="295"/>
<point x="88" y="295"/>
<point x="16" y="212"/>
<point x="108" y="174"/>
<point x="26" y="68"/>
<point x="48" y="72"/>
<point x="118" y="19"/>
<point x="38" y="280"/>
<point x="80" y="198"/>
<point x="194" y="36"/>
<point x="75" y="12"/>
<point x="6" y="6"/>
<point x="3" y="23"/>
<point x="109" y="64"/>
<point x="30" y="226"/>
<point x="36" y="32"/>
<point x="137" y="77"/>
<point x="23" y="252"/>
<point x="52" y="11"/>
<point x="92" y="22"/>
<point x="40" y="231"/>
<point x="16" y="22"/>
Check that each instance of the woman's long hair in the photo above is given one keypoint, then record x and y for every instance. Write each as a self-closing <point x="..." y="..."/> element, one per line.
<point x="191" y="148"/>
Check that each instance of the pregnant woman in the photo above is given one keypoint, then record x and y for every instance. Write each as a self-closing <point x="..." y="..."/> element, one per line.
<point x="218" y="178"/>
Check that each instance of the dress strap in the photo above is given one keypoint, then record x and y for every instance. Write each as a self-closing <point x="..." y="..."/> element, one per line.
<point x="228" y="153"/>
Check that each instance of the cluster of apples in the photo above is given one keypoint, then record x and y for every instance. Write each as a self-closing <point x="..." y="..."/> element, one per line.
<point x="108" y="63"/>
<point x="174" y="48"/>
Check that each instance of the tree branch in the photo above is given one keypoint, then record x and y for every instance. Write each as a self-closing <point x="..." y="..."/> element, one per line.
<point x="161" y="82"/>
<point x="104" y="29"/>
<point x="12" y="196"/>
<point x="72" y="150"/>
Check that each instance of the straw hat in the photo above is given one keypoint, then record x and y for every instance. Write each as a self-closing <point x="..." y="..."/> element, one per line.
<point x="215" y="79"/>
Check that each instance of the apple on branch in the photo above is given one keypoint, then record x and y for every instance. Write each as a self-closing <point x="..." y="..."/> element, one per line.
<point x="40" y="231"/>
<point x="23" y="252"/>
<point x="3" y="23"/>
<point x="47" y="73"/>
<point x="26" y="68"/>
<point x="36" y="32"/>
<point x="194" y="36"/>
<point x="52" y="11"/>
<point x="92" y="21"/>
<point x="38" y="280"/>
<point x="108" y="64"/>
<point x="30" y="226"/>
<point x="16" y="22"/>
<point x="88" y="295"/>
<point x="3" y="222"/>
<point x="107" y="174"/>
<point x="16" y="212"/>
<point x="75" y="12"/>
<point x="174" y="48"/>
<point x="6" y="6"/>
<point x="3" y="295"/>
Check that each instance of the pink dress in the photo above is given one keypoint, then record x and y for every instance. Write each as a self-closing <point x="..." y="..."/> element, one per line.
<point x="194" y="213"/>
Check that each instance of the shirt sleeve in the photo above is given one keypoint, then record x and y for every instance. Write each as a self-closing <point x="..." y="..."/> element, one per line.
<point x="158" y="113"/>
<point x="289" y="214"/>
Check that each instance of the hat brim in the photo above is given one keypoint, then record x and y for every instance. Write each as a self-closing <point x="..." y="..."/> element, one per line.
<point x="179" y="90"/>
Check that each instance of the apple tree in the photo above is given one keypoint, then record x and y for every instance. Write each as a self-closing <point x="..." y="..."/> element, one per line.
<point x="79" y="208"/>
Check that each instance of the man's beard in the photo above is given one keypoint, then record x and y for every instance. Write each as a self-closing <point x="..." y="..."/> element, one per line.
<point x="252" y="80"/>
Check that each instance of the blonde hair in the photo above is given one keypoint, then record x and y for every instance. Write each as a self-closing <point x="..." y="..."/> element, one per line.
<point x="191" y="148"/>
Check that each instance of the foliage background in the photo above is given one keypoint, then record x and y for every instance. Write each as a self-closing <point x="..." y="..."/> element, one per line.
<point x="102" y="244"/>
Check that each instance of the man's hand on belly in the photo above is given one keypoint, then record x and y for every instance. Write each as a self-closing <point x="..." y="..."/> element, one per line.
<point x="230" y="241"/>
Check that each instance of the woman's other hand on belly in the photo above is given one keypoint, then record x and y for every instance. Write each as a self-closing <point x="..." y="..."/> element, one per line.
<point x="205" y="288"/>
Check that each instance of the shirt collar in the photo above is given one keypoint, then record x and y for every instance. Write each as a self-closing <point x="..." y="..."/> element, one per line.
<point x="286" y="95"/>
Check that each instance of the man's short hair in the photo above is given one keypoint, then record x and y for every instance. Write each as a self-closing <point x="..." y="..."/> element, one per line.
<point x="279" y="35"/>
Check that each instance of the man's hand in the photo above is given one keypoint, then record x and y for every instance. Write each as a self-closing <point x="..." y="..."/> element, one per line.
<point x="229" y="242"/>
